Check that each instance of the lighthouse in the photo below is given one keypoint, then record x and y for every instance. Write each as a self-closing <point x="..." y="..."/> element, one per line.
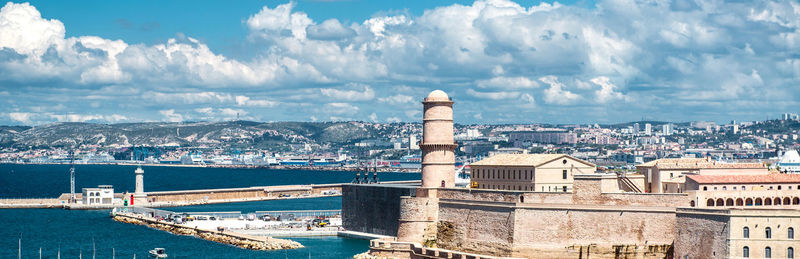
<point x="438" y="145"/>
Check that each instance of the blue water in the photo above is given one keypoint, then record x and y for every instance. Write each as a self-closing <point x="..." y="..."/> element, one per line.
<point x="74" y="231"/>
<point x="50" y="181"/>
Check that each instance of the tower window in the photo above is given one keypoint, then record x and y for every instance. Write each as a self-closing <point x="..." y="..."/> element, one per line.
<point x="564" y="174"/>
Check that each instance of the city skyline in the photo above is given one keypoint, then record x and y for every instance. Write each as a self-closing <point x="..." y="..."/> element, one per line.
<point x="504" y="62"/>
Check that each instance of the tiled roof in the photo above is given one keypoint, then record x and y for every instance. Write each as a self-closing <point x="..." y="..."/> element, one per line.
<point x="697" y="163"/>
<point x="522" y="159"/>
<point x="764" y="178"/>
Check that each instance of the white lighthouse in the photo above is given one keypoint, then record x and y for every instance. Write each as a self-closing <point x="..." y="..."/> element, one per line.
<point x="139" y="196"/>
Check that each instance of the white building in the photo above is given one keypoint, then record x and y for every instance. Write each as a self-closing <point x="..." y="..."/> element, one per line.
<point x="666" y="129"/>
<point x="790" y="162"/>
<point x="648" y="129"/>
<point x="102" y="195"/>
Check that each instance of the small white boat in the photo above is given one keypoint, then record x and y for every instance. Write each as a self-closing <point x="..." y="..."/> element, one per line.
<point x="158" y="253"/>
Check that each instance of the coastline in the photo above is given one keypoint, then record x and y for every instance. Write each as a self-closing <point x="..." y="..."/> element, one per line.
<point x="273" y="167"/>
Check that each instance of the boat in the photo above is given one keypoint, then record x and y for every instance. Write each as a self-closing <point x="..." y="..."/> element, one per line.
<point x="158" y="253"/>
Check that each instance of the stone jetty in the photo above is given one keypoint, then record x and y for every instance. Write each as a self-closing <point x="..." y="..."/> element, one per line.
<point x="235" y="239"/>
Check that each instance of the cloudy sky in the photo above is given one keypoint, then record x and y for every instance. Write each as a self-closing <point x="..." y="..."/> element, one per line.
<point x="501" y="61"/>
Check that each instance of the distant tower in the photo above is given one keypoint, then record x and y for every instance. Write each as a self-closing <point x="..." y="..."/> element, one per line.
<point x="139" y="196"/>
<point x="438" y="145"/>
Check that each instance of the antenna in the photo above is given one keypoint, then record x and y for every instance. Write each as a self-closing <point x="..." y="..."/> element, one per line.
<point x="72" y="176"/>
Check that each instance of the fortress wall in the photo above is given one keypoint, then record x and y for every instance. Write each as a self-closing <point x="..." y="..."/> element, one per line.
<point x="505" y="196"/>
<point x="373" y="209"/>
<point x="701" y="235"/>
<point x="476" y="228"/>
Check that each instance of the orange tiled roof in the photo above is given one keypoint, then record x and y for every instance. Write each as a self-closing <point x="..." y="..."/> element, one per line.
<point x="765" y="178"/>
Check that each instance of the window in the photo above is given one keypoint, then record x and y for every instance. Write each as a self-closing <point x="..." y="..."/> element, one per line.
<point x="746" y="252"/>
<point x="724" y="188"/>
<point x="790" y="252"/>
<point x="565" y="188"/>
<point x="734" y="187"/>
<point x="779" y="187"/>
<point x="790" y="233"/>
<point x="705" y="188"/>
<point x="564" y="174"/>
<point x="768" y="252"/>
<point x="715" y="188"/>
<point x="768" y="233"/>
<point x="746" y="232"/>
<point x="743" y="188"/>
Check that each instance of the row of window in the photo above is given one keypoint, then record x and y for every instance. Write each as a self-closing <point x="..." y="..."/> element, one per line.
<point x="768" y="233"/>
<point x="751" y="202"/>
<point x="767" y="252"/>
<point x="94" y="193"/>
<point x="523" y="188"/>
<point x="725" y="188"/>
<point x="508" y="174"/>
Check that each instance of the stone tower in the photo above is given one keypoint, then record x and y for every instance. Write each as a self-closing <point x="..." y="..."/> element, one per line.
<point x="438" y="145"/>
<point x="139" y="196"/>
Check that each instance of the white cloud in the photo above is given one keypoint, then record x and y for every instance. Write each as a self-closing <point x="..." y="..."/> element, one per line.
<point x="361" y="93"/>
<point x="606" y="92"/>
<point x="556" y="94"/>
<point x="694" y="55"/>
<point x="492" y="95"/>
<point x="397" y="99"/>
<point x="246" y="101"/>
<point x="508" y="83"/>
<point x="170" y="115"/>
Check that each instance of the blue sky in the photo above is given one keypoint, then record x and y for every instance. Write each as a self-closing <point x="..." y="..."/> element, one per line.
<point x="502" y="61"/>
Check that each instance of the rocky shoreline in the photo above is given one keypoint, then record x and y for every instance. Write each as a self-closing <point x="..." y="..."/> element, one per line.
<point x="238" y="240"/>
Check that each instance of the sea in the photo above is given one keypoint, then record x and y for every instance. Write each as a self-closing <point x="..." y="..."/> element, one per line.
<point x="92" y="233"/>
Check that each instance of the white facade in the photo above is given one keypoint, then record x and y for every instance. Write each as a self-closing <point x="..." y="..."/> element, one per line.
<point x="790" y="162"/>
<point x="102" y="195"/>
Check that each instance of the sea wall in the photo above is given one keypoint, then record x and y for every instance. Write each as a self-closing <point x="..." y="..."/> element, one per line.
<point x="373" y="209"/>
<point x="235" y="239"/>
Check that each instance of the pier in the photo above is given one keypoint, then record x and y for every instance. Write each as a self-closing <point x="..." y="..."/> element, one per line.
<point x="194" y="197"/>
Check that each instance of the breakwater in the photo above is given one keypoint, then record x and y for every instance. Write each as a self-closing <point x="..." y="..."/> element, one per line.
<point x="230" y="238"/>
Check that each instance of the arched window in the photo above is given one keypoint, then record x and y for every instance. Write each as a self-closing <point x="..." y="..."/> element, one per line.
<point x="790" y="252"/>
<point x="746" y="252"/>
<point x="758" y="201"/>
<point x="768" y="252"/>
<point x="790" y="233"/>
<point x="748" y="202"/>
<point x="795" y="201"/>
<point x="746" y="232"/>
<point x="787" y="201"/>
<point x="777" y="200"/>
<point x="705" y="188"/>
<point x="768" y="233"/>
<point x="720" y="202"/>
<point x="767" y="201"/>
<point x="724" y="188"/>
<point x="739" y="202"/>
<point x="691" y="203"/>
<point x="729" y="202"/>
<point x="710" y="203"/>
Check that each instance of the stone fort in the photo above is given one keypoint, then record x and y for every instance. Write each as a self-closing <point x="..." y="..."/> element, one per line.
<point x="598" y="217"/>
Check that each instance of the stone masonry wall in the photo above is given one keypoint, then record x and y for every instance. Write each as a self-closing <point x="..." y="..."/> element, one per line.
<point x="701" y="235"/>
<point x="373" y="209"/>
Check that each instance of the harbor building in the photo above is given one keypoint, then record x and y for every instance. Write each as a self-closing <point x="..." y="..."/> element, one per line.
<point x="736" y="233"/>
<point x="102" y="195"/>
<point x="528" y="172"/>
<point x="527" y="138"/>
<point x="744" y="191"/>
<point x="668" y="175"/>
<point x="790" y="162"/>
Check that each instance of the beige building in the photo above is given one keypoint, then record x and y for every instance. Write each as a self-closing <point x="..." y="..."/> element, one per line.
<point x="736" y="233"/>
<point x="751" y="191"/>
<point x="668" y="175"/>
<point x="529" y="172"/>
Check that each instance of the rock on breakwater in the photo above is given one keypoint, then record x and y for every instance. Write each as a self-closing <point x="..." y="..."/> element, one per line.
<point x="238" y="240"/>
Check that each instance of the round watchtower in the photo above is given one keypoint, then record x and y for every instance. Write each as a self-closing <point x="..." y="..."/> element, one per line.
<point x="438" y="144"/>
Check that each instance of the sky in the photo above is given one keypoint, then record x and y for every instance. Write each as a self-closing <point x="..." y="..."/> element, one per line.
<point x="501" y="61"/>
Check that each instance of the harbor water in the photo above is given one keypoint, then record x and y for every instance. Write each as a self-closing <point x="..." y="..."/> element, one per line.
<point x="75" y="233"/>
